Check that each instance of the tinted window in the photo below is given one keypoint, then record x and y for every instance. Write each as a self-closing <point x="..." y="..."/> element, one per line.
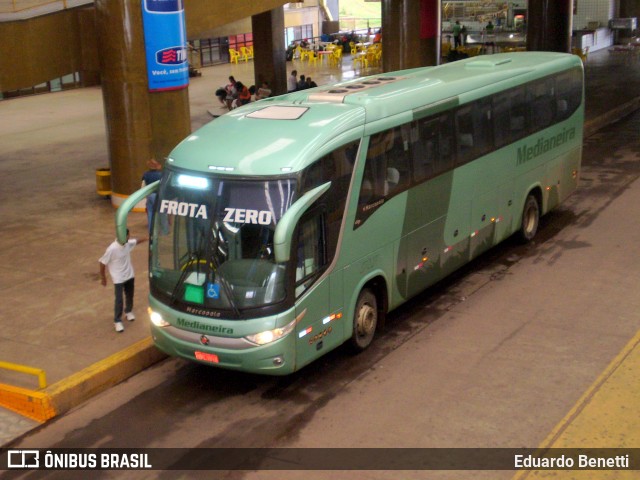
<point x="541" y="101"/>
<point x="509" y="116"/>
<point x="473" y="130"/>
<point x="568" y="93"/>
<point x="433" y="146"/>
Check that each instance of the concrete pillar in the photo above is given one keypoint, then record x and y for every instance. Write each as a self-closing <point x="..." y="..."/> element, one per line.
<point x="629" y="8"/>
<point x="401" y="34"/>
<point x="269" y="54"/>
<point x="140" y="124"/>
<point x="430" y="32"/>
<point x="549" y="25"/>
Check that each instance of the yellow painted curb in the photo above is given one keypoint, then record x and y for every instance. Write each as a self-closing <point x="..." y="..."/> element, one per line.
<point x="79" y="387"/>
<point x="578" y="409"/>
<point x="32" y="404"/>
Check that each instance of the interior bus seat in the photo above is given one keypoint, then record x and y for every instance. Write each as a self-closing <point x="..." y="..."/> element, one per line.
<point x="393" y="179"/>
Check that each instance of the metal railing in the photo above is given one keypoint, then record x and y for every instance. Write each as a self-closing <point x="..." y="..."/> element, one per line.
<point x="38" y="372"/>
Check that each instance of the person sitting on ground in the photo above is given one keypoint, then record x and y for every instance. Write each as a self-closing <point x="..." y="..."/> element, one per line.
<point x="302" y="83"/>
<point x="221" y="93"/>
<point x="263" y="92"/>
<point x="311" y="83"/>
<point x="292" y="81"/>
<point x="232" y="92"/>
<point x="244" y="95"/>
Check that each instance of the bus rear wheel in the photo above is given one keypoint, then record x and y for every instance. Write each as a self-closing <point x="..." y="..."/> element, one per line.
<point x="530" y="218"/>
<point x="365" y="320"/>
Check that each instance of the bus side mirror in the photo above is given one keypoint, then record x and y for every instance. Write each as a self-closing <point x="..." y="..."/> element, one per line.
<point x="287" y="224"/>
<point x="127" y="206"/>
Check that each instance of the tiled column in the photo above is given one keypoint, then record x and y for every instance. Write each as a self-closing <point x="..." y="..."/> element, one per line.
<point x="269" y="55"/>
<point x="140" y="124"/>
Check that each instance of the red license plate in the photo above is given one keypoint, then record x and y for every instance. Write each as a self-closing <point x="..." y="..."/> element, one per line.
<point x="207" y="357"/>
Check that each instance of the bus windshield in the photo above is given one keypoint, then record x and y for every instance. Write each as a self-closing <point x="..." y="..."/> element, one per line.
<point x="212" y="242"/>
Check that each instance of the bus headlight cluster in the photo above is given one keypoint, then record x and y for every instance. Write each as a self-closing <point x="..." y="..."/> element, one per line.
<point x="157" y="319"/>
<point x="269" y="336"/>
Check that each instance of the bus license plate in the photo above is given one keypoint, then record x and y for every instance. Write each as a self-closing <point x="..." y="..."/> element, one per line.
<point x="207" y="357"/>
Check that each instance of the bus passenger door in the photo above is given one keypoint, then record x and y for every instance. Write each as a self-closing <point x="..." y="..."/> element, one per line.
<point x="505" y="212"/>
<point x="318" y="329"/>
<point x="483" y="222"/>
<point x="423" y="251"/>
<point x="456" y="231"/>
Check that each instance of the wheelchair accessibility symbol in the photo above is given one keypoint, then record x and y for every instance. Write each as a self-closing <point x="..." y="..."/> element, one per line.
<point x="213" y="290"/>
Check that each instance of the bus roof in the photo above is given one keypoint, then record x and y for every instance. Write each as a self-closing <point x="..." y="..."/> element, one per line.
<point x="286" y="133"/>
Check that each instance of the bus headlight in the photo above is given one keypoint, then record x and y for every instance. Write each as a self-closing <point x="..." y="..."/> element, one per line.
<point x="157" y="319"/>
<point x="269" y="336"/>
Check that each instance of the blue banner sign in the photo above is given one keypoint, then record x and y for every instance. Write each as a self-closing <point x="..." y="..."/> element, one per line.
<point x="165" y="42"/>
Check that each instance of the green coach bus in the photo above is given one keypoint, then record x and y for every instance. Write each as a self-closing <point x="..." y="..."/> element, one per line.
<point x="292" y="225"/>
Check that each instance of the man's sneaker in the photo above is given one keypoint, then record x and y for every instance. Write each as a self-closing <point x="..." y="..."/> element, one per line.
<point x="130" y="316"/>
<point x="119" y="327"/>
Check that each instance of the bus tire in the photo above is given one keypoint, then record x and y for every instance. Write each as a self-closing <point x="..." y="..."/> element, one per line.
<point x="530" y="218"/>
<point x="365" y="320"/>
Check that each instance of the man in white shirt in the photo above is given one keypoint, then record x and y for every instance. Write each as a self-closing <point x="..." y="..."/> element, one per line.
<point x="117" y="258"/>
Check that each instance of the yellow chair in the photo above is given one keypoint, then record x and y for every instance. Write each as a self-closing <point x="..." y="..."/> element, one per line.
<point x="336" y="56"/>
<point x="360" y="60"/>
<point x="313" y="58"/>
<point x="377" y="58"/>
<point x="581" y="52"/>
<point x="234" y="55"/>
<point x="474" y="51"/>
<point x="246" y="54"/>
<point x="445" y="49"/>
<point x="305" y="53"/>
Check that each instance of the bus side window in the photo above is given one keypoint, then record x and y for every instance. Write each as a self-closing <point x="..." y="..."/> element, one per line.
<point x="482" y="127"/>
<point x="501" y="119"/>
<point x="518" y="125"/>
<point x="425" y="150"/>
<point x="445" y="154"/>
<point x="464" y="134"/>
<point x="398" y="176"/>
<point x="568" y="93"/>
<point x="375" y="170"/>
<point x="541" y="101"/>
<point x="509" y="116"/>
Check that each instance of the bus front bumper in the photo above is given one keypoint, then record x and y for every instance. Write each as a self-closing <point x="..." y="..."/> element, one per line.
<point x="276" y="358"/>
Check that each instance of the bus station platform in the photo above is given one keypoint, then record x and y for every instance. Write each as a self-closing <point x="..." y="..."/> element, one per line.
<point x="59" y="346"/>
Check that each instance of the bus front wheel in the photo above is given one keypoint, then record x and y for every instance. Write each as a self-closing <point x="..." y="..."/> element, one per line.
<point x="530" y="218"/>
<point x="365" y="320"/>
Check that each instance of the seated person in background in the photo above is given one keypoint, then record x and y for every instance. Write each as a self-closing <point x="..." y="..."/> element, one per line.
<point x="221" y="93"/>
<point x="302" y="83"/>
<point x="244" y="95"/>
<point x="310" y="83"/>
<point x="263" y="92"/>
<point x="232" y="92"/>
